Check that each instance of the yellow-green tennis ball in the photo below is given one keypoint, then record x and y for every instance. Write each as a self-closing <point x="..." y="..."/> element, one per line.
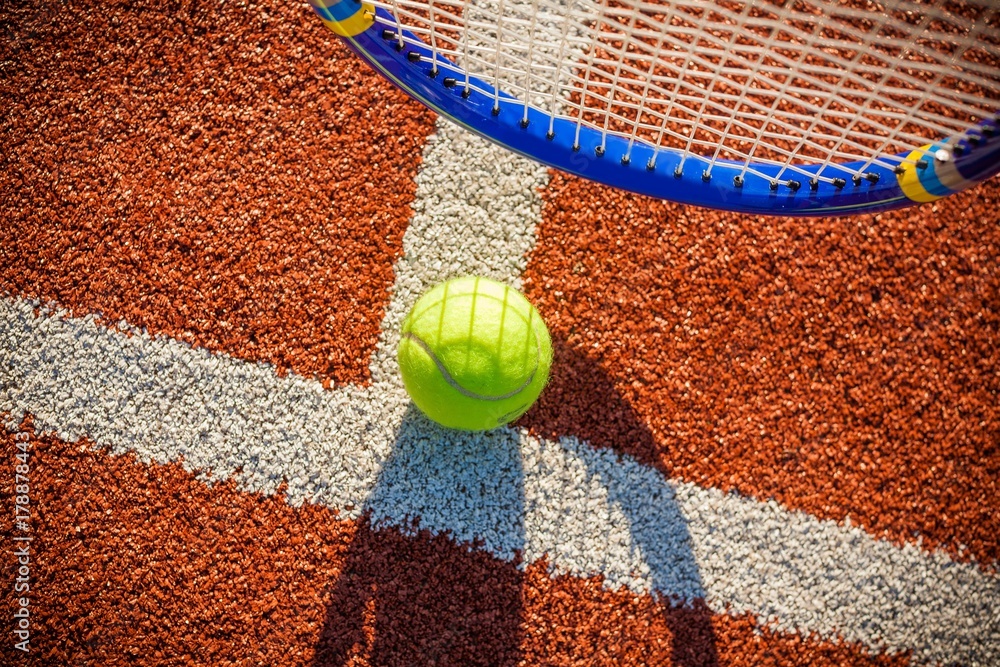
<point x="474" y="354"/>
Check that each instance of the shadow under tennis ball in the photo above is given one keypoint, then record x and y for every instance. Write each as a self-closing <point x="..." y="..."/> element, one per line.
<point x="581" y="400"/>
<point x="431" y="592"/>
<point x="418" y="600"/>
<point x="440" y="592"/>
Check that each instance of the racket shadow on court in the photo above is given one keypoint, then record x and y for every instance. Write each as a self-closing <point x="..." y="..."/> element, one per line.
<point x="434" y="592"/>
<point x="448" y="590"/>
<point x="602" y="419"/>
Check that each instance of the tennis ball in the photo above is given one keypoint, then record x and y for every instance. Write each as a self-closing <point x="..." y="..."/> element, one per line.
<point x="474" y="354"/>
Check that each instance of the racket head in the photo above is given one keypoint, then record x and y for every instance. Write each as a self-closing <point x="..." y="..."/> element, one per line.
<point x="924" y="174"/>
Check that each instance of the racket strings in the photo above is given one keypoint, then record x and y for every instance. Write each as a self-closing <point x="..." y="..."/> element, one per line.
<point x="795" y="84"/>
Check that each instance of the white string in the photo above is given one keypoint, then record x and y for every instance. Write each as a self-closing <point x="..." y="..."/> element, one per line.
<point x="671" y="96"/>
<point x="849" y="85"/>
<point x="465" y="48"/>
<point x="615" y="83"/>
<point x="399" y="24"/>
<point x="434" y="32"/>
<point x="768" y="46"/>
<point x="642" y="105"/>
<point x="586" y="82"/>
<point x="527" y="71"/>
<point x="775" y="104"/>
<point x="496" y="71"/>
<point x="959" y="52"/>
<point x="733" y="35"/>
<point x="780" y="69"/>
<point x="863" y="48"/>
<point x="869" y="99"/>
<point x="961" y="101"/>
<point x="555" y="97"/>
<point x="708" y="116"/>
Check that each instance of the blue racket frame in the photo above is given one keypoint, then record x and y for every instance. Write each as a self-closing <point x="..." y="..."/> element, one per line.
<point x="409" y="64"/>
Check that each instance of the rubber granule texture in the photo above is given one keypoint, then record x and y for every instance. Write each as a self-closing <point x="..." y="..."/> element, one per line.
<point x="145" y="564"/>
<point x="233" y="178"/>
<point x="846" y="367"/>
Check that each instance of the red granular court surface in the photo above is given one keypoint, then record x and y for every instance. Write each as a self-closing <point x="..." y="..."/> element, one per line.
<point x="144" y="564"/>
<point x="848" y="367"/>
<point x="228" y="175"/>
<point x="233" y="178"/>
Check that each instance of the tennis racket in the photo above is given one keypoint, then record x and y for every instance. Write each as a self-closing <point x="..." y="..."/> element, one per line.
<point x="798" y="107"/>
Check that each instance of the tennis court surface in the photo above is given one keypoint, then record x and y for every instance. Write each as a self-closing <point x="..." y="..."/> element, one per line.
<point x="766" y="441"/>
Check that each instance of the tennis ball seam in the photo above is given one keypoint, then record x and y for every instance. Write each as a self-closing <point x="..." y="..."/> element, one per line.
<point x="457" y="386"/>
